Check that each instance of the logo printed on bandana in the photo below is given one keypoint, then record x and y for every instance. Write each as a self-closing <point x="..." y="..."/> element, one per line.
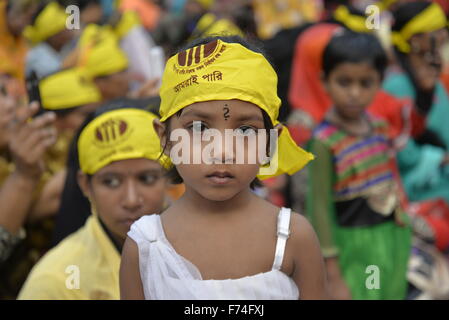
<point x="187" y="57"/>
<point x="111" y="131"/>
<point x="199" y="57"/>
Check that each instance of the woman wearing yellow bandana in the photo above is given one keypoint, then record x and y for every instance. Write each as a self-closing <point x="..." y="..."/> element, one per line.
<point x="418" y="34"/>
<point x="119" y="156"/>
<point x="220" y="240"/>
<point x="50" y="39"/>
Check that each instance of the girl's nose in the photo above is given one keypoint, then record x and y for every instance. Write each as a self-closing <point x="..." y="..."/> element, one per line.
<point x="132" y="199"/>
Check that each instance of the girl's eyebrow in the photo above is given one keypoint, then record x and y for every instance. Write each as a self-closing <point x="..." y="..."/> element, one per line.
<point x="196" y="113"/>
<point x="250" y="117"/>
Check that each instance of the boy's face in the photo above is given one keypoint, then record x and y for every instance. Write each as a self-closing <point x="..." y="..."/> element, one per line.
<point x="218" y="175"/>
<point x="124" y="191"/>
<point x="352" y="87"/>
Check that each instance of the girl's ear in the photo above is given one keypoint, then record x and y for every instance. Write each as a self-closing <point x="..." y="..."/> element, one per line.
<point x="161" y="130"/>
<point x="83" y="182"/>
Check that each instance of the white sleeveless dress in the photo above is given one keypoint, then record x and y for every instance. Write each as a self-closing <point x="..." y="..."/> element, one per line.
<point x="166" y="275"/>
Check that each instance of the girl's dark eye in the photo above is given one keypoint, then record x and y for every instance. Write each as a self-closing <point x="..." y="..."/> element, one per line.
<point x="344" y="82"/>
<point x="111" y="182"/>
<point x="367" y="83"/>
<point x="246" y="131"/>
<point x="149" y="178"/>
<point x="197" y="126"/>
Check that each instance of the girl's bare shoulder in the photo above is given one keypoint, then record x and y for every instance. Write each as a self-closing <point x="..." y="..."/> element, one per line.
<point x="302" y="234"/>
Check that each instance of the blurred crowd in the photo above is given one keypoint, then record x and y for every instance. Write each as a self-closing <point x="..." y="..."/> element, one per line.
<point x="62" y="61"/>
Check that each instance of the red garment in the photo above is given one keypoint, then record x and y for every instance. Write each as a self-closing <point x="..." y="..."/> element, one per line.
<point x="305" y="90"/>
<point x="445" y="78"/>
<point x="436" y="213"/>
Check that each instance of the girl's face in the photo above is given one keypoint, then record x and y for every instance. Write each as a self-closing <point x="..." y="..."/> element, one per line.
<point x="352" y="87"/>
<point x="211" y="180"/>
<point x="124" y="191"/>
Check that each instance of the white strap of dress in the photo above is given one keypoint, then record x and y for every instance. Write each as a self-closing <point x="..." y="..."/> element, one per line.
<point x="283" y="234"/>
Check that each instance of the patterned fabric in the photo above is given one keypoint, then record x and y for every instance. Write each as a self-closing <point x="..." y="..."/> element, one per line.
<point x="362" y="165"/>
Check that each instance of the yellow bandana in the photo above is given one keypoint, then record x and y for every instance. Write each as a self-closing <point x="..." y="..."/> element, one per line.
<point x="100" y="53"/>
<point x="119" y="135"/>
<point x="128" y="21"/>
<point x="225" y="71"/>
<point x="354" y="22"/>
<point x="50" y="21"/>
<point x="67" y="89"/>
<point x="430" y="19"/>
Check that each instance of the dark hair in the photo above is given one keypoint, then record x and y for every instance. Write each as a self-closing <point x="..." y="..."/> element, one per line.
<point x="75" y="207"/>
<point x="173" y="173"/>
<point x="354" y="47"/>
<point x="406" y="12"/>
<point x="40" y="7"/>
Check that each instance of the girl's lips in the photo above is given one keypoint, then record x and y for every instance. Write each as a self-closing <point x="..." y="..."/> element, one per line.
<point x="219" y="180"/>
<point x="220" y="177"/>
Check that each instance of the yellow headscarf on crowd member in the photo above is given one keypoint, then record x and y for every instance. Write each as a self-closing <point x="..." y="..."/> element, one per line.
<point x="128" y="20"/>
<point x="119" y="135"/>
<point x="50" y="21"/>
<point x="210" y="24"/>
<point x="99" y="52"/>
<point x="352" y="21"/>
<point x="67" y="89"/>
<point x="430" y="19"/>
<point x="223" y="71"/>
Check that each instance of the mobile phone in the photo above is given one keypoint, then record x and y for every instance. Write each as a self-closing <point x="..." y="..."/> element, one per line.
<point x="32" y="86"/>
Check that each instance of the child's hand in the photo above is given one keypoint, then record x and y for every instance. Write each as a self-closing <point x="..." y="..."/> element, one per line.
<point x="337" y="287"/>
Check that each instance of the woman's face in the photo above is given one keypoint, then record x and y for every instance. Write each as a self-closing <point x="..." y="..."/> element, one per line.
<point x="221" y="167"/>
<point x="124" y="191"/>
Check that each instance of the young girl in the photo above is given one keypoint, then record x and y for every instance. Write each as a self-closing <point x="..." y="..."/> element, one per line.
<point x="220" y="240"/>
<point x="353" y="196"/>
<point x="123" y="180"/>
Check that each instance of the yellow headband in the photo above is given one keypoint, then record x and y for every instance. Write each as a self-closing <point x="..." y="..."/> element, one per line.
<point x="128" y="20"/>
<point x="67" y="89"/>
<point x="430" y="19"/>
<point x="225" y="71"/>
<point x="119" y="135"/>
<point x="354" y="22"/>
<point x="100" y="53"/>
<point x="49" y="22"/>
